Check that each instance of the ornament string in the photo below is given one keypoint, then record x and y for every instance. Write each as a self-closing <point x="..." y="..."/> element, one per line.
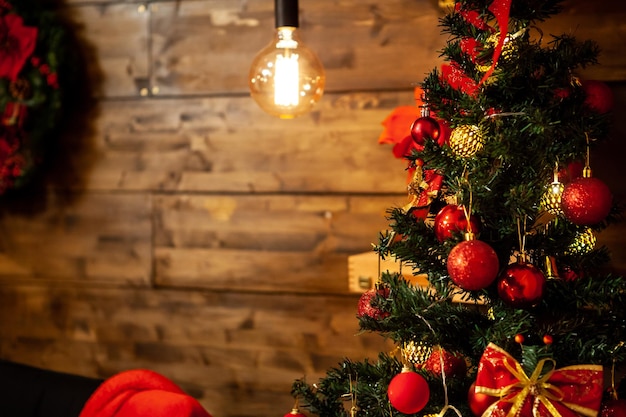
<point x="587" y="168"/>
<point x="522" y="237"/>
<point x="447" y="405"/>
<point x="613" y="390"/>
<point x="467" y="211"/>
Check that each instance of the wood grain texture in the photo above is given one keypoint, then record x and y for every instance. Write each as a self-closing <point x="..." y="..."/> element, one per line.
<point x="228" y="145"/>
<point x="103" y="238"/>
<point x="264" y="243"/>
<point x="119" y="36"/>
<point x="208" y="241"/>
<point x="234" y="352"/>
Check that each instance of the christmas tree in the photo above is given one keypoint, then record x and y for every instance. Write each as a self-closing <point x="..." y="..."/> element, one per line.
<point x="520" y="314"/>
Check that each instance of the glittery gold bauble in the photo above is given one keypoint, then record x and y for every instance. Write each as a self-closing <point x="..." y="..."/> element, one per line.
<point x="551" y="198"/>
<point x="416" y="352"/>
<point x="466" y="140"/>
<point x="583" y="243"/>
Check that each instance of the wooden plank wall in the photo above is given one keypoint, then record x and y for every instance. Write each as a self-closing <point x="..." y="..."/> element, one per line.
<point x="206" y="240"/>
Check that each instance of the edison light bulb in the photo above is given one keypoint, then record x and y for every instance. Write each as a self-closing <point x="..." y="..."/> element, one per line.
<point x="286" y="78"/>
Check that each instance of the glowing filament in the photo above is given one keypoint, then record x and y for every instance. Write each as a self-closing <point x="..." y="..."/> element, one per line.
<point x="286" y="81"/>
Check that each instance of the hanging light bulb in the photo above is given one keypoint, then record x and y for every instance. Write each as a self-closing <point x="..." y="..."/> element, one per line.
<point x="286" y="78"/>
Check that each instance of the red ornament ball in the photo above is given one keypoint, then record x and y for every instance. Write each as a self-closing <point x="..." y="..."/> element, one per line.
<point x="295" y="413"/>
<point x="408" y="392"/>
<point x="425" y="127"/>
<point x="451" y="219"/>
<point x="586" y="201"/>
<point x="479" y="402"/>
<point x="453" y="364"/>
<point x="519" y="338"/>
<point x="365" y="307"/>
<point x="598" y="96"/>
<point x="521" y="285"/>
<point x="547" y="339"/>
<point x="473" y="265"/>
<point x="613" y="408"/>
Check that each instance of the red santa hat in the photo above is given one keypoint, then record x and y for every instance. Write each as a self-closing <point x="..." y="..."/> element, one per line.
<point x="141" y="393"/>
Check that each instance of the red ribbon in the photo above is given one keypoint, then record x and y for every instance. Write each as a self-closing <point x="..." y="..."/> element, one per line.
<point x="571" y="391"/>
<point x="501" y="9"/>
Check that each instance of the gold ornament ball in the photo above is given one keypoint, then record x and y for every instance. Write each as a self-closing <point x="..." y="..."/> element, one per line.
<point x="416" y="352"/>
<point x="584" y="242"/>
<point x="551" y="198"/>
<point x="466" y="140"/>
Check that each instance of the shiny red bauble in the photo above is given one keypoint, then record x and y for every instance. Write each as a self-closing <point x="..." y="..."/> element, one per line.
<point x="408" y="392"/>
<point x="473" y="265"/>
<point x="294" y="413"/>
<point x="451" y="219"/>
<point x="365" y="307"/>
<point x="425" y="127"/>
<point x="586" y="201"/>
<point x="598" y="96"/>
<point x="613" y="408"/>
<point x="479" y="402"/>
<point x="521" y="285"/>
<point x="454" y="364"/>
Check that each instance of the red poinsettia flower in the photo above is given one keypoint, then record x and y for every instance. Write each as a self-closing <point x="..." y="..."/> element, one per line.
<point x="17" y="43"/>
<point x="397" y="125"/>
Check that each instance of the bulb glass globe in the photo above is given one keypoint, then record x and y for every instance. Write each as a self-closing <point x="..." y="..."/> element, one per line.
<point x="286" y="78"/>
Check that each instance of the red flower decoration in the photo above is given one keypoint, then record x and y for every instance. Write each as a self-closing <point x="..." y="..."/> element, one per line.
<point x="17" y="43"/>
<point x="397" y="125"/>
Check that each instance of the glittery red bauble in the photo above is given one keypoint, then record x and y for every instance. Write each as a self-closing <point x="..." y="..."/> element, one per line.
<point x="453" y="364"/>
<point x="613" y="408"/>
<point x="521" y="285"/>
<point x="425" y="127"/>
<point x="408" y="392"/>
<point x="479" y="402"/>
<point x="365" y="307"/>
<point x="473" y="265"/>
<point x="586" y="201"/>
<point x="451" y="219"/>
<point x="598" y="96"/>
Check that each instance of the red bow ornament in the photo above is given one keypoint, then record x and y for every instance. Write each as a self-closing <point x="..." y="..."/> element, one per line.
<point x="571" y="391"/>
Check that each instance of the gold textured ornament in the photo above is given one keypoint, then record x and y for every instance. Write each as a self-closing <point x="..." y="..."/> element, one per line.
<point x="584" y="242"/>
<point x="551" y="198"/>
<point x="416" y="352"/>
<point x="466" y="140"/>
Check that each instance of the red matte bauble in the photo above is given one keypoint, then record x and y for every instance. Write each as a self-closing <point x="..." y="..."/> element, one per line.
<point x="613" y="408"/>
<point x="408" y="392"/>
<point x="451" y="219"/>
<point x="479" y="402"/>
<point x="365" y="307"/>
<point x="425" y="127"/>
<point x="598" y="96"/>
<point x="453" y="364"/>
<point x="586" y="201"/>
<point x="473" y="265"/>
<point x="521" y="285"/>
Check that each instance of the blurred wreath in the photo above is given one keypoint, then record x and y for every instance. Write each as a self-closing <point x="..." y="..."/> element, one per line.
<point x="31" y="97"/>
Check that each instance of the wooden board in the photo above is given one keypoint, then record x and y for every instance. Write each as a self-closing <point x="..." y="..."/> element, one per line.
<point x="229" y="145"/>
<point x="232" y="351"/>
<point x="115" y="40"/>
<point x="103" y="238"/>
<point x="263" y="243"/>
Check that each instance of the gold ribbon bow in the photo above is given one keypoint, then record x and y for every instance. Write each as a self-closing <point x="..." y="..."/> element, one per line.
<point x="538" y="386"/>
